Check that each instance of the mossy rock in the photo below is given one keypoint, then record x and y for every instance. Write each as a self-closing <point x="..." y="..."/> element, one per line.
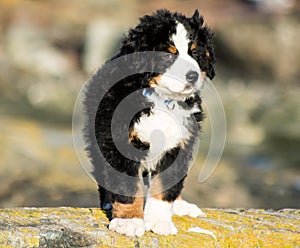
<point x="87" y="227"/>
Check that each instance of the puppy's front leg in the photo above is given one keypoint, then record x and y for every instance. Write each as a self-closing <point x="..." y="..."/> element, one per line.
<point x="128" y="215"/>
<point x="158" y="209"/>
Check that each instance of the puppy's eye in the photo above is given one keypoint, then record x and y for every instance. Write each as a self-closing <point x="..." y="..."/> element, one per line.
<point x="168" y="56"/>
<point x="196" y="54"/>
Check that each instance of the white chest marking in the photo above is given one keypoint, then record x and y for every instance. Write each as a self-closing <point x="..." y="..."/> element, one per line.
<point x="164" y="129"/>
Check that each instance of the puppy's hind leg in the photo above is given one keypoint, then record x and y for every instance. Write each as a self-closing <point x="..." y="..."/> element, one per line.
<point x="182" y="207"/>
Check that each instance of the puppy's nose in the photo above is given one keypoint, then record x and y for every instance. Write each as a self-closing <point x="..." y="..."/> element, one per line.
<point x="192" y="77"/>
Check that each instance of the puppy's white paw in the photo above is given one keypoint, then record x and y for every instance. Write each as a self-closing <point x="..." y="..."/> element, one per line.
<point x="158" y="217"/>
<point x="181" y="208"/>
<point x="162" y="227"/>
<point x="129" y="227"/>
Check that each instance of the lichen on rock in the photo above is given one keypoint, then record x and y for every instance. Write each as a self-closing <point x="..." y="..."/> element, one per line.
<point x="87" y="227"/>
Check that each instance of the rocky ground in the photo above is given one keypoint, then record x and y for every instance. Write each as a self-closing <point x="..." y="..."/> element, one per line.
<point x="69" y="227"/>
<point x="46" y="56"/>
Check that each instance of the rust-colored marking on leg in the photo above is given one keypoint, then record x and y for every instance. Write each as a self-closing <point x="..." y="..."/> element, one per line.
<point x="129" y="211"/>
<point x="156" y="188"/>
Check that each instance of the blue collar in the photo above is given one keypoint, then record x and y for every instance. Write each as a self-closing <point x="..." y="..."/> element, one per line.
<point x="147" y="92"/>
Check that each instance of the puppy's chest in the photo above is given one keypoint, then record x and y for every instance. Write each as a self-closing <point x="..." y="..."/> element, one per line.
<point x="167" y="126"/>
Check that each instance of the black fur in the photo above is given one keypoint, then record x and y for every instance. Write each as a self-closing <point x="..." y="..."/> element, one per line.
<point x="151" y="34"/>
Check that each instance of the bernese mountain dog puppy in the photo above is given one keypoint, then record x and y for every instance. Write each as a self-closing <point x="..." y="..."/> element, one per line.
<point x="143" y="109"/>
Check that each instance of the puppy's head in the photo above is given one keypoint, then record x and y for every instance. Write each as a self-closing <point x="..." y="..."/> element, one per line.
<point x="187" y="46"/>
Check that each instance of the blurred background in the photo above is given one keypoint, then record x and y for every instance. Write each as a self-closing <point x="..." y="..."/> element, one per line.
<point x="49" y="48"/>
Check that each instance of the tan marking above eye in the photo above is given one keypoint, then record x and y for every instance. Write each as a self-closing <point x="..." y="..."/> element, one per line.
<point x="207" y="54"/>
<point x="172" y="49"/>
<point x="193" y="46"/>
<point x="132" y="135"/>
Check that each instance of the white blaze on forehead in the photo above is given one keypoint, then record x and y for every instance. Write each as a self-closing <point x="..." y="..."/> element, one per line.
<point x="180" y="39"/>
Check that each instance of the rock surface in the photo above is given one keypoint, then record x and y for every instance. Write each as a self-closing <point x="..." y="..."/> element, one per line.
<point x="87" y="227"/>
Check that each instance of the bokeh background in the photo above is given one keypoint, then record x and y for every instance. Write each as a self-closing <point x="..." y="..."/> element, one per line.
<point x="49" y="48"/>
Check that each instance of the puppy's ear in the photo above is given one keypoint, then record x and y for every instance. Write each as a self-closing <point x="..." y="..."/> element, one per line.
<point x="196" y="14"/>
<point x="197" y="18"/>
